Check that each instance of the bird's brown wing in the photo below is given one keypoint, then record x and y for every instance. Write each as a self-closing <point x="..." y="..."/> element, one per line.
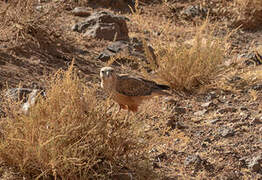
<point x="132" y="86"/>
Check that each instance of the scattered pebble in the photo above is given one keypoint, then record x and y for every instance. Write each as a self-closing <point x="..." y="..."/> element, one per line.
<point x="192" y="159"/>
<point x="81" y="11"/>
<point x="226" y="132"/>
<point x="200" y="113"/>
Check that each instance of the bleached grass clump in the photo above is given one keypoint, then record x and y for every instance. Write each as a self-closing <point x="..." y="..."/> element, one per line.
<point x="69" y="135"/>
<point x="188" y="65"/>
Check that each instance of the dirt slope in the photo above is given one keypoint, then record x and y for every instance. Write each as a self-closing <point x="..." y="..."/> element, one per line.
<point x="218" y="131"/>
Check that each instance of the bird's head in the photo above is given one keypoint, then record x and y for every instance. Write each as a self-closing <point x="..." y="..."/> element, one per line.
<point x="107" y="73"/>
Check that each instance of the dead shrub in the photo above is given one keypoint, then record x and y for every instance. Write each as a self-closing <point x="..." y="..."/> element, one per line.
<point x="248" y="13"/>
<point x="21" y="22"/>
<point x="70" y="135"/>
<point x="188" y="65"/>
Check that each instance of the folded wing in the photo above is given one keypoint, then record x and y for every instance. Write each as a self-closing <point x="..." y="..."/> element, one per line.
<point x="132" y="86"/>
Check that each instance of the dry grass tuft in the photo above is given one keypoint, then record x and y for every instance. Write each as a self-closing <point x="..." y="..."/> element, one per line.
<point x="188" y="65"/>
<point x="248" y="13"/>
<point x="24" y="22"/>
<point x="69" y="135"/>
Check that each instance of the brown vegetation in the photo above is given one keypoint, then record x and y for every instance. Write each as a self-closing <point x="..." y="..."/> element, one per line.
<point x="69" y="134"/>
<point x="211" y="130"/>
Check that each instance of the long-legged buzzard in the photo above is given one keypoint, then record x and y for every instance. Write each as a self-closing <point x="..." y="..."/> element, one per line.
<point x="128" y="91"/>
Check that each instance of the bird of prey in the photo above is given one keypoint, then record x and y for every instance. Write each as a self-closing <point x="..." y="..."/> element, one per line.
<point x="128" y="91"/>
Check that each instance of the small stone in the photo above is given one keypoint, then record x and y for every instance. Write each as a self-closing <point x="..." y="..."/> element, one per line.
<point x="257" y="87"/>
<point x="156" y="165"/>
<point x="179" y="110"/>
<point x="122" y="176"/>
<point x="42" y="1"/>
<point x="243" y="108"/>
<point x="81" y="11"/>
<point x="226" y="132"/>
<point x="75" y="27"/>
<point x="207" y="140"/>
<point x="39" y="8"/>
<point x="207" y="104"/>
<point x="234" y="79"/>
<point x="193" y="11"/>
<point x="211" y="95"/>
<point x="227" y="110"/>
<point x="173" y="124"/>
<point x="204" y="144"/>
<point x="256" y="121"/>
<point x="161" y="157"/>
<point x="192" y="159"/>
<point x="200" y="113"/>
<point x="214" y="121"/>
<point x="254" y="164"/>
<point x="176" y="141"/>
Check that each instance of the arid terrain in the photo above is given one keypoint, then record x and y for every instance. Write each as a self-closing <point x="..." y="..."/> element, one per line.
<point x="208" y="52"/>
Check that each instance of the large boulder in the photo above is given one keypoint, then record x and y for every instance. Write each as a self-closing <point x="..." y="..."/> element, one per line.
<point x="103" y="25"/>
<point x="123" y="50"/>
<point x="28" y="97"/>
<point x="120" y="5"/>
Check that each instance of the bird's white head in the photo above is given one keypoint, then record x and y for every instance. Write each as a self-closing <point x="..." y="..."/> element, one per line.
<point x="107" y="73"/>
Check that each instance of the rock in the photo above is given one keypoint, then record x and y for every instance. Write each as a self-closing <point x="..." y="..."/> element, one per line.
<point x="214" y="121"/>
<point x="252" y="58"/>
<point x="207" y="104"/>
<point x="210" y="96"/>
<point x="26" y="95"/>
<point x="192" y="159"/>
<point x="256" y="121"/>
<point x="114" y="4"/>
<point x="243" y="108"/>
<point x="161" y="157"/>
<point x="156" y="165"/>
<point x="113" y="49"/>
<point x="179" y="110"/>
<point x="43" y="1"/>
<point x="254" y="163"/>
<point x="173" y="124"/>
<point x="257" y="87"/>
<point x="226" y="132"/>
<point x="227" y="110"/>
<point x="200" y="113"/>
<point x="132" y="48"/>
<point x="122" y="176"/>
<point x="17" y="94"/>
<point x="234" y="79"/>
<point x="75" y="27"/>
<point x="193" y="11"/>
<point x="2" y="62"/>
<point x="32" y="98"/>
<point x="39" y="8"/>
<point x="103" y="25"/>
<point x="81" y="11"/>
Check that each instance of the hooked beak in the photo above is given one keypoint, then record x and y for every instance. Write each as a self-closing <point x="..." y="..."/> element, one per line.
<point x="107" y="73"/>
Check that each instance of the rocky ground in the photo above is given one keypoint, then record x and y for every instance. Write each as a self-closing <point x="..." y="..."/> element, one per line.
<point x="213" y="134"/>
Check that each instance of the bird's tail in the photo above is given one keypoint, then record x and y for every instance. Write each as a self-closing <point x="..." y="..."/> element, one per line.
<point x="162" y="93"/>
<point x="159" y="90"/>
<point x="163" y="87"/>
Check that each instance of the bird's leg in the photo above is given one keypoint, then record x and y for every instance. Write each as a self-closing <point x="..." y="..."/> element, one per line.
<point x="127" y="116"/>
<point x="131" y="109"/>
<point x="121" y="106"/>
